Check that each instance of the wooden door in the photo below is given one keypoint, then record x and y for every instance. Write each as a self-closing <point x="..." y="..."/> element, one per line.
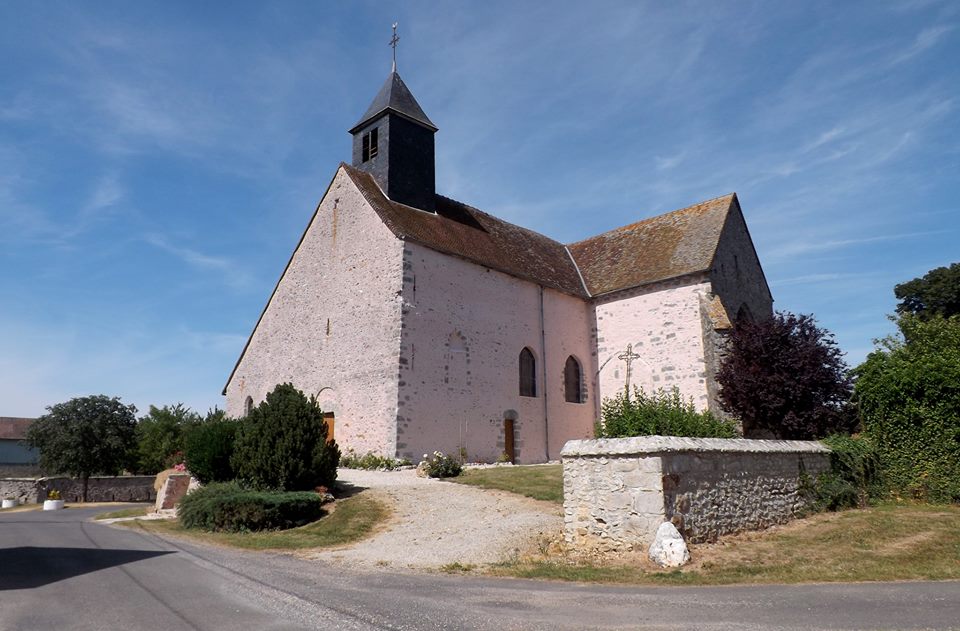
<point x="508" y="443"/>
<point x="331" y="425"/>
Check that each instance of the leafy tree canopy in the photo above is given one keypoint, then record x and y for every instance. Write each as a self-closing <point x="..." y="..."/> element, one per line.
<point x="160" y="437"/>
<point x="908" y="395"/>
<point x="786" y="376"/>
<point x="208" y="447"/>
<point x="935" y="293"/>
<point x="85" y="436"/>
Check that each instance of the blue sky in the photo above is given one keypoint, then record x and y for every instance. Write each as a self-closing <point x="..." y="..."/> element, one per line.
<point x="158" y="161"/>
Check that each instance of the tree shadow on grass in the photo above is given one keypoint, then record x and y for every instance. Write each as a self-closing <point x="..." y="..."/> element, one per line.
<point x="343" y="490"/>
<point x="28" y="567"/>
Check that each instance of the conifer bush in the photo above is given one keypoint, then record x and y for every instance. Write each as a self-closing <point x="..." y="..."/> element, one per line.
<point x="282" y="444"/>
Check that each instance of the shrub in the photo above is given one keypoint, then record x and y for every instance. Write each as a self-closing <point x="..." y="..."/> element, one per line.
<point x="208" y="447"/>
<point x="661" y="414"/>
<point x="440" y="465"/>
<point x="282" y="444"/>
<point x="231" y="508"/>
<point x="908" y="393"/>
<point x="854" y="475"/>
<point x="785" y="375"/>
<point x="160" y="437"/>
<point x="371" y="462"/>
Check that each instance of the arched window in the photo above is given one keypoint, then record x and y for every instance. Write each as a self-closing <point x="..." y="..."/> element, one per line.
<point x="528" y="374"/>
<point x="572" y="381"/>
<point x="248" y="406"/>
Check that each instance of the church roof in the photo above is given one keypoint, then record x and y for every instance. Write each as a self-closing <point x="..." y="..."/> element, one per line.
<point x="464" y="231"/>
<point x="395" y="96"/>
<point x="666" y="246"/>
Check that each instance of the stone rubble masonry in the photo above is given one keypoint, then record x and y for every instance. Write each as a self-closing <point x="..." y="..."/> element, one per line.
<point x="617" y="491"/>
<point x="135" y="488"/>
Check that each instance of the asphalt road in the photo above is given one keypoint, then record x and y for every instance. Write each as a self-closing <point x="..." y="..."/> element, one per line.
<point x="60" y="571"/>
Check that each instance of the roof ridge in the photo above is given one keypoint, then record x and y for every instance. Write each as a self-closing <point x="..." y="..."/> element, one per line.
<point x="648" y="219"/>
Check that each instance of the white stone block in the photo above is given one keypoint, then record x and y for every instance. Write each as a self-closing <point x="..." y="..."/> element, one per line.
<point x="668" y="548"/>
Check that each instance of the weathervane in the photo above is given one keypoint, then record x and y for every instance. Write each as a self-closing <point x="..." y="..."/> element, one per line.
<point x="628" y="357"/>
<point x="393" y="45"/>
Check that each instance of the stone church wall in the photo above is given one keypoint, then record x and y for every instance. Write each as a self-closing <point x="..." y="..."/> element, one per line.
<point x="662" y="321"/>
<point x="333" y="325"/>
<point x="618" y="491"/>
<point x="464" y="327"/>
<point x="736" y="276"/>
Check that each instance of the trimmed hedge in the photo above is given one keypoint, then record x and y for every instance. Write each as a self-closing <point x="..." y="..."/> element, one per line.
<point x="231" y="508"/>
<point x="659" y="414"/>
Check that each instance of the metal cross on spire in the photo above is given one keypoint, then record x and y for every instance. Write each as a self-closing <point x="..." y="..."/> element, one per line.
<point x="393" y="45"/>
<point x="629" y="356"/>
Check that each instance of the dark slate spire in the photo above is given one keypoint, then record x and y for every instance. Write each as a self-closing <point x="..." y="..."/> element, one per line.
<point x="393" y="142"/>
<point x="396" y="97"/>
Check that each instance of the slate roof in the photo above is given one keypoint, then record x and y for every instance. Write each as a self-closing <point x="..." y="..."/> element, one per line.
<point x="667" y="246"/>
<point x="14" y="428"/>
<point x="464" y="231"/>
<point x="395" y="96"/>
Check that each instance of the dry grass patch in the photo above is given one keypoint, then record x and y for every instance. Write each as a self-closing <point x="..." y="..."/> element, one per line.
<point x="541" y="482"/>
<point x="137" y="511"/>
<point x="349" y="520"/>
<point x="885" y="543"/>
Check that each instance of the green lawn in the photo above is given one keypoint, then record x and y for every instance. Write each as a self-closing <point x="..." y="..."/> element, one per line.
<point x="352" y="519"/>
<point x="541" y="482"/>
<point x="885" y="543"/>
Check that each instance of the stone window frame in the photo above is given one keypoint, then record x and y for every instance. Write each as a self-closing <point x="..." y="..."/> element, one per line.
<point x="248" y="406"/>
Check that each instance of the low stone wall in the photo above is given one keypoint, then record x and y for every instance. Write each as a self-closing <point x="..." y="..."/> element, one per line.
<point x="617" y="491"/>
<point x="137" y="488"/>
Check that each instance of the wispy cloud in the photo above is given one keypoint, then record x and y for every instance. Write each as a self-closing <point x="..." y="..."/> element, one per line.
<point x="669" y="162"/>
<point x="808" y="246"/>
<point x="925" y="40"/>
<point x="232" y="273"/>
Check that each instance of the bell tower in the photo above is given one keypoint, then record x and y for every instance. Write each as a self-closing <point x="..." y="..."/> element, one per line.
<point x="394" y="143"/>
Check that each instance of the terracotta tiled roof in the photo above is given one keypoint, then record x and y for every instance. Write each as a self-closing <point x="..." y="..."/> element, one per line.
<point x="466" y="232"/>
<point x="675" y="244"/>
<point x="14" y="428"/>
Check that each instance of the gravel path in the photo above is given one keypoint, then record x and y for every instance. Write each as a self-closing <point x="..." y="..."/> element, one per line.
<point x="435" y="523"/>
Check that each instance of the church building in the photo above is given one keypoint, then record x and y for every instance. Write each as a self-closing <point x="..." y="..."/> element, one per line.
<point x="421" y="323"/>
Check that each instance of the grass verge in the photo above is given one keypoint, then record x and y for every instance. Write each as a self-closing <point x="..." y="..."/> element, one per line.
<point x="541" y="482"/>
<point x="137" y="511"/>
<point x="353" y="519"/>
<point x="885" y="543"/>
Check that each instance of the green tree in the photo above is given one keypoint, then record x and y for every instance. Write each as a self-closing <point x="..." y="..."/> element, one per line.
<point x="935" y="293"/>
<point x="160" y="435"/>
<point x="786" y="376"/>
<point x="282" y="444"/>
<point x="208" y="447"/>
<point x="908" y="395"/>
<point x="85" y="436"/>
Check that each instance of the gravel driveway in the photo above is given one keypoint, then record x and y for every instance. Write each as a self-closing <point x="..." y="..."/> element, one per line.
<point x="436" y="523"/>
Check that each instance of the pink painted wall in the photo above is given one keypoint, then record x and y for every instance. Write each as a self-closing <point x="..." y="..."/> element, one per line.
<point x="663" y="323"/>
<point x="463" y="329"/>
<point x="333" y="326"/>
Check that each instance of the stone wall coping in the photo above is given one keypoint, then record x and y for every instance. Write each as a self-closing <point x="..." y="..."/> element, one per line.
<point x="641" y="445"/>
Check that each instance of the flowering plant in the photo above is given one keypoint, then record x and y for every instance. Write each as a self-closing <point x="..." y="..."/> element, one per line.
<point x="53" y="495"/>
<point x="440" y="465"/>
<point x="180" y="467"/>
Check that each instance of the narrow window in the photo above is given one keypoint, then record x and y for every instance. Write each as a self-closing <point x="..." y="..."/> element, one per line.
<point x="572" y="381"/>
<point x="373" y="142"/>
<point x="370" y="144"/>
<point x="528" y="374"/>
<point x="248" y="406"/>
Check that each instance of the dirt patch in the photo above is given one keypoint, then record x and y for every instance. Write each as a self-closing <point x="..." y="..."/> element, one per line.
<point x="435" y="524"/>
